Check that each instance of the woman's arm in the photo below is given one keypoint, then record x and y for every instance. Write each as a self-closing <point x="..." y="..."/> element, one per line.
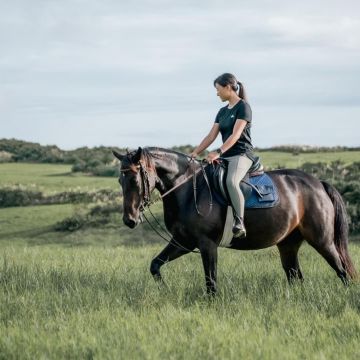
<point x="207" y="141"/>
<point x="235" y="136"/>
<point x="231" y="140"/>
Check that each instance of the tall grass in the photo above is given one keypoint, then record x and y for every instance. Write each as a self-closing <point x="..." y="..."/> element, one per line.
<point x="102" y="303"/>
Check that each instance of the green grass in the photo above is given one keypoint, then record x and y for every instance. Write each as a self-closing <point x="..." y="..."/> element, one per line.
<point x="89" y="294"/>
<point x="51" y="178"/>
<point x="282" y="159"/>
<point x="89" y="302"/>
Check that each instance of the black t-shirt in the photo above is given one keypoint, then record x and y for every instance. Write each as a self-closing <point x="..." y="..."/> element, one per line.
<point x="226" y="119"/>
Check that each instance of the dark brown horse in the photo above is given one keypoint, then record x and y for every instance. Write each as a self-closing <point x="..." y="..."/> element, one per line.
<point x="309" y="209"/>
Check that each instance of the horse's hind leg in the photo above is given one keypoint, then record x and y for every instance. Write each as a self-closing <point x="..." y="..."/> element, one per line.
<point x="171" y="252"/>
<point x="288" y="249"/>
<point x="321" y="239"/>
<point x="331" y="255"/>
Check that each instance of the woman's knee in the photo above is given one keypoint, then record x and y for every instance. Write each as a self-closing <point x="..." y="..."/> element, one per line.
<point x="232" y="183"/>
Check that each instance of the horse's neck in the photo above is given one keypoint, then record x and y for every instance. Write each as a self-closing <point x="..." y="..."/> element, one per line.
<point x="171" y="169"/>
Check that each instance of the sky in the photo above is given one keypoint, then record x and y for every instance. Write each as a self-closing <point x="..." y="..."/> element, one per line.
<point x="120" y="73"/>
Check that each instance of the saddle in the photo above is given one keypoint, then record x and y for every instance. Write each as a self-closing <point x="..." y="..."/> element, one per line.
<point x="257" y="187"/>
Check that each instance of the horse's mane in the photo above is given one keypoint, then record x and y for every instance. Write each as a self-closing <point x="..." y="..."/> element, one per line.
<point x="149" y="153"/>
<point x="167" y="151"/>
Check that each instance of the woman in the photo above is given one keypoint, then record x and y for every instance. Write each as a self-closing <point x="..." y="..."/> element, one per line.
<point x="233" y="121"/>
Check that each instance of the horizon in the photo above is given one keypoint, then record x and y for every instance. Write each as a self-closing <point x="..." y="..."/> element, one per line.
<point x="302" y="146"/>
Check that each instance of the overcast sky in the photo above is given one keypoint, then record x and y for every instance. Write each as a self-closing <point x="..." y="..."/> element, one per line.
<point x="128" y="73"/>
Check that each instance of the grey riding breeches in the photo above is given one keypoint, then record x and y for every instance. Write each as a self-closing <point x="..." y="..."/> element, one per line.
<point x="238" y="166"/>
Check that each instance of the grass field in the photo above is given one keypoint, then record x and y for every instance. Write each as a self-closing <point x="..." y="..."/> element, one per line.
<point x="51" y="178"/>
<point x="89" y="294"/>
<point x="282" y="159"/>
<point x="96" y="302"/>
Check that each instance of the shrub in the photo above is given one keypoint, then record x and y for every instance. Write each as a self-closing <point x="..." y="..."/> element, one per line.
<point x="20" y="196"/>
<point x="17" y="196"/>
<point x="98" y="215"/>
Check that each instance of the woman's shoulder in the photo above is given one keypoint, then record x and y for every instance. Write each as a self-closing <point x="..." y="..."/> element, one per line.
<point x="222" y="109"/>
<point x="243" y="103"/>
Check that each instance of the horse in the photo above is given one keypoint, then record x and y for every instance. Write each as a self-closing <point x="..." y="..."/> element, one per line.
<point x="309" y="209"/>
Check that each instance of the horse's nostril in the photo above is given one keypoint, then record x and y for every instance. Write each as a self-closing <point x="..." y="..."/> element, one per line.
<point x="129" y="222"/>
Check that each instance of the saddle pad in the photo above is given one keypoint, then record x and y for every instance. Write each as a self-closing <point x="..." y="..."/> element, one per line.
<point x="266" y="195"/>
<point x="269" y="198"/>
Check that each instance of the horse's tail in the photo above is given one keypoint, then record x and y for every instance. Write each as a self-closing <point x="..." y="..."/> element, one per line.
<point x="341" y="229"/>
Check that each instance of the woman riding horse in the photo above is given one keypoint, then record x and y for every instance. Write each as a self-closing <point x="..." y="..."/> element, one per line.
<point x="309" y="209"/>
<point x="233" y="121"/>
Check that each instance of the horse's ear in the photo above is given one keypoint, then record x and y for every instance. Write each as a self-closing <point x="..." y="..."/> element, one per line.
<point x="136" y="158"/>
<point x="118" y="156"/>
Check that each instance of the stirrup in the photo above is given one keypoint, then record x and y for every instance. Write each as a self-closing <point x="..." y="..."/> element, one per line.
<point x="239" y="233"/>
<point x="238" y="229"/>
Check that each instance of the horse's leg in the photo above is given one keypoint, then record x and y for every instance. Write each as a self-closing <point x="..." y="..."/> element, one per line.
<point x="321" y="239"/>
<point x="331" y="255"/>
<point x="208" y="250"/>
<point x="288" y="249"/>
<point x="171" y="252"/>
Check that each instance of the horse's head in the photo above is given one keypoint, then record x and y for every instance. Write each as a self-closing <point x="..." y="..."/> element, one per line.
<point x="137" y="179"/>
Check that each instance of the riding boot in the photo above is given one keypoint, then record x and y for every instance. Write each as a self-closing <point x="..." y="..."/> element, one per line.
<point x="238" y="230"/>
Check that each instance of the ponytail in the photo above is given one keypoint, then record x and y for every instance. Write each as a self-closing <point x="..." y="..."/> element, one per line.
<point x="242" y="93"/>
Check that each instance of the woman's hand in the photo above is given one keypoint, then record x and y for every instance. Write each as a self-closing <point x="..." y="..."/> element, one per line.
<point x="193" y="155"/>
<point x="212" y="157"/>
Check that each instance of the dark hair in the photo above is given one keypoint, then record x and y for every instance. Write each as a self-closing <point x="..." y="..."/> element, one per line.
<point x="229" y="79"/>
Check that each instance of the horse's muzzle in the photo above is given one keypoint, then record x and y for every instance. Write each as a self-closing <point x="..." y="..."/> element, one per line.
<point x="130" y="222"/>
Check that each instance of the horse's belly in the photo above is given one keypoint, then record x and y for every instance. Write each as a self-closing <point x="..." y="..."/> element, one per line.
<point x="249" y="243"/>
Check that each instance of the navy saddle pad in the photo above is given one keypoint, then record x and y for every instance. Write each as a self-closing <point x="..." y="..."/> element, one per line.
<point x="259" y="191"/>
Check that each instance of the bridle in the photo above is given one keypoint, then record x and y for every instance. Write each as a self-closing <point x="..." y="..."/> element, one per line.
<point x="145" y="184"/>
<point x="146" y="196"/>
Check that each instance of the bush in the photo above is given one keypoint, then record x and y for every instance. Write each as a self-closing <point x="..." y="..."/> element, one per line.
<point x="73" y="223"/>
<point x="20" y="196"/>
<point x="17" y="196"/>
<point x="106" y="171"/>
<point x="98" y="215"/>
<point x="346" y="180"/>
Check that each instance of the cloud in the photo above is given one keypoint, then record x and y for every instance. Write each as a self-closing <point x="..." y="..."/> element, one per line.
<point x="89" y="59"/>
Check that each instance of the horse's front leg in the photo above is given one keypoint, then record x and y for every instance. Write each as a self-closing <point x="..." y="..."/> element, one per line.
<point x="171" y="252"/>
<point x="209" y="253"/>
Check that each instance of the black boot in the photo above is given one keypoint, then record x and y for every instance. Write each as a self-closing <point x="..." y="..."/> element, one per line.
<point x="238" y="230"/>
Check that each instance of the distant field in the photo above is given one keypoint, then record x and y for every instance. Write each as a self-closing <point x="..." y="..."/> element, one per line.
<point x="51" y="178"/>
<point x="281" y="159"/>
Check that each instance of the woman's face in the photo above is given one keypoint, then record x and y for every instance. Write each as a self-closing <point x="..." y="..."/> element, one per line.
<point x="223" y="92"/>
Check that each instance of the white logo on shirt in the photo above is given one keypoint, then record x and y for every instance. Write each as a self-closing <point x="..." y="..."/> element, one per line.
<point x="232" y="116"/>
